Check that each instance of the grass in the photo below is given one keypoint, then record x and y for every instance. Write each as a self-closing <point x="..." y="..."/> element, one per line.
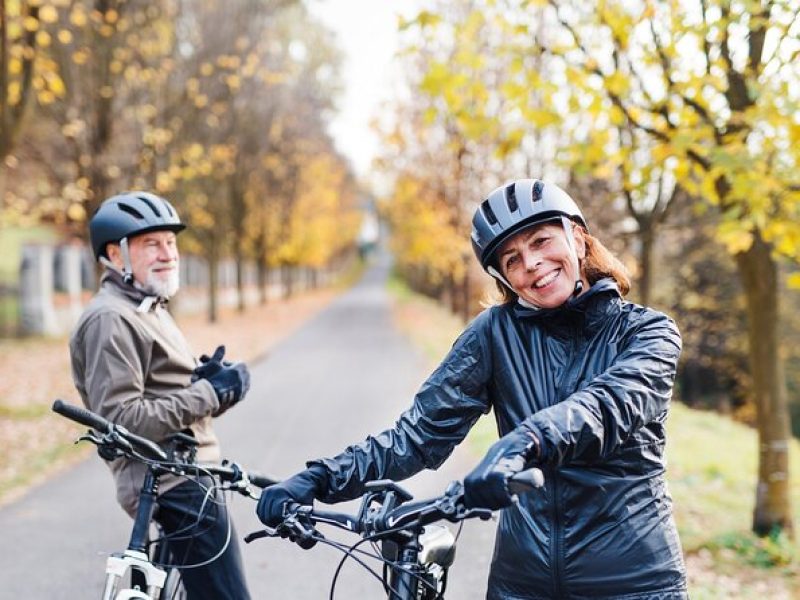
<point x="712" y="465"/>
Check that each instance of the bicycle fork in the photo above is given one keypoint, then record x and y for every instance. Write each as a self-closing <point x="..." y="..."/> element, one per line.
<point x="118" y="565"/>
<point x="135" y="559"/>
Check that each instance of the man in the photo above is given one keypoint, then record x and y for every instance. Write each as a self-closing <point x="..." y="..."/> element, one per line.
<point x="132" y="365"/>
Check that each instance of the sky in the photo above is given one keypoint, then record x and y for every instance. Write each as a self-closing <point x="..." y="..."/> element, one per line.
<point x="367" y="35"/>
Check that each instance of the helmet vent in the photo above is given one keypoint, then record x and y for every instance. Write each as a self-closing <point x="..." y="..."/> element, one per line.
<point x="536" y="192"/>
<point x="130" y="210"/>
<point x="152" y="206"/>
<point x="511" y="198"/>
<point x="488" y="212"/>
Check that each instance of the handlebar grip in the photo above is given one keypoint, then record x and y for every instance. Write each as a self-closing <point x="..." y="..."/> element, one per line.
<point x="82" y="416"/>
<point x="262" y="481"/>
<point x="86" y="417"/>
<point x="525" y="481"/>
<point x="144" y="446"/>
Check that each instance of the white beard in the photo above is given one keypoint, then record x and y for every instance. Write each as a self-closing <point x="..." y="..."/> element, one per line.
<point x="157" y="286"/>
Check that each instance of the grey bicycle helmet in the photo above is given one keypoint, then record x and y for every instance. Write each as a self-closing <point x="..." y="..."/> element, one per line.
<point x="129" y="214"/>
<point x="514" y="206"/>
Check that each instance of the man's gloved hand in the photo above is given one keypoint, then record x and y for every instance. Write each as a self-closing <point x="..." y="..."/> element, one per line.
<point x="230" y="381"/>
<point x="486" y="486"/>
<point x="302" y="488"/>
<point x="210" y="365"/>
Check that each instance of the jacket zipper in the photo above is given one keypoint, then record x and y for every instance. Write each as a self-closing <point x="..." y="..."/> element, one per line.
<point x="558" y="537"/>
<point x="557" y="542"/>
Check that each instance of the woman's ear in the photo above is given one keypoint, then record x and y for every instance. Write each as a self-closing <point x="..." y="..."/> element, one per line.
<point x="579" y="234"/>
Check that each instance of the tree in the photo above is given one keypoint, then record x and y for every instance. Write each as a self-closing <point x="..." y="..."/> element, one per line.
<point x="26" y="74"/>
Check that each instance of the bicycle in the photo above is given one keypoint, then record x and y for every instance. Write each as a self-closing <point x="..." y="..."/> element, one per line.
<point x="415" y="552"/>
<point x="143" y="571"/>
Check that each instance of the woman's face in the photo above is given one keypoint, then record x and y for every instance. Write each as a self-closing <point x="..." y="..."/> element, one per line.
<point x="538" y="264"/>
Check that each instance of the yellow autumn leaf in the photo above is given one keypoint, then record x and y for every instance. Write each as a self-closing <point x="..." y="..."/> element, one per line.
<point x="30" y="24"/>
<point x="56" y="85"/>
<point x="77" y="17"/>
<point x="617" y="83"/>
<point x="48" y="14"/>
<point x="734" y="236"/>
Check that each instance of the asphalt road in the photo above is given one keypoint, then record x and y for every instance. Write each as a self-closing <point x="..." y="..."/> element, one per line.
<point x="345" y="374"/>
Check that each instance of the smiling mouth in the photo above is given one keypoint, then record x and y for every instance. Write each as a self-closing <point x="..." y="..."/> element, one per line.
<point x="164" y="269"/>
<point x="547" y="279"/>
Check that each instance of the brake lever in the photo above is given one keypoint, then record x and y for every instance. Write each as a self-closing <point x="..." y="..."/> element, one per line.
<point x="452" y="505"/>
<point x="90" y="436"/>
<point x="291" y="528"/>
<point x="300" y="534"/>
<point x="108" y="445"/>
<point x="257" y="535"/>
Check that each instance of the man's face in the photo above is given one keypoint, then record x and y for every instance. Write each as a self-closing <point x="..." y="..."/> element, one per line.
<point x="154" y="260"/>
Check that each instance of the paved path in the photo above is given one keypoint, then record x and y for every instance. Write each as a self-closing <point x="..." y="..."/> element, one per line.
<point x="343" y="375"/>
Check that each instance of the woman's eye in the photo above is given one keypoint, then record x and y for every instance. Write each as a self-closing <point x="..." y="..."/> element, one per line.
<point x="511" y="261"/>
<point x="539" y="241"/>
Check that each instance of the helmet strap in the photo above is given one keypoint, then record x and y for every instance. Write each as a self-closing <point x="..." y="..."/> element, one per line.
<point x="496" y="274"/>
<point x="127" y="268"/>
<point x="567" y="225"/>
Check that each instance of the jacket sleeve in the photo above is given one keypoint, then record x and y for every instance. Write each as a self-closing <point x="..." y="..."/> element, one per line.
<point x="593" y="422"/>
<point x="116" y="360"/>
<point x="445" y="408"/>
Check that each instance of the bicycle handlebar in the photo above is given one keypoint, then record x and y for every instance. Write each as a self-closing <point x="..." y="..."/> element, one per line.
<point x="300" y="519"/>
<point x="232" y="473"/>
<point x="127" y="441"/>
<point x="80" y="415"/>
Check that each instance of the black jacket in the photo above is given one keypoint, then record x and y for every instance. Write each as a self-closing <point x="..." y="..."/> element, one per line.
<point x="593" y="380"/>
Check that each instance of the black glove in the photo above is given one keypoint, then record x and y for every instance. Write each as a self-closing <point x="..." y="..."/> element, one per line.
<point x="302" y="488"/>
<point x="486" y="486"/>
<point x="230" y="381"/>
<point x="210" y="365"/>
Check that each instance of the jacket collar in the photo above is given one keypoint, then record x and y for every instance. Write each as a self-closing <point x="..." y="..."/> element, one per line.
<point x="112" y="280"/>
<point x="589" y="308"/>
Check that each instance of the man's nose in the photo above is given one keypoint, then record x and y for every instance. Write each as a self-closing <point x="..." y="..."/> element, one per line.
<point x="167" y="252"/>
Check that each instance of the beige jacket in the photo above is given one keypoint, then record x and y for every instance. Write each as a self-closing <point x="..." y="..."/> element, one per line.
<point x="132" y="365"/>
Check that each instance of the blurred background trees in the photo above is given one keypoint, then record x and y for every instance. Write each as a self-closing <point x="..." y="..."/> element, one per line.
<point x="221" y="107"/>
<point x="674" y="125"/>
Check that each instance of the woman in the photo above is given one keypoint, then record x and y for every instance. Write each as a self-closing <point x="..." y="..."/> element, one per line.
<point x="580" y="382"/>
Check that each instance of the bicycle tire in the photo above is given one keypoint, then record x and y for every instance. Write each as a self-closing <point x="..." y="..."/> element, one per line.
<point x="173" y="586"/>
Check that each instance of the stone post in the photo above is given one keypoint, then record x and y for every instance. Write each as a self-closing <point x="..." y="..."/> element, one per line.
<point x="37" y="313"/>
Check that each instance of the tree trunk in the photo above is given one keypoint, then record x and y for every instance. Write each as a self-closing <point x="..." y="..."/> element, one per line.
<point x="240" y="305"/>
<point x="213" y="285"/>
<point x="263" y="281"/>
<point x="647" y="239"/>
<point x="288" y="281"/>
<point x="759" y="276"/>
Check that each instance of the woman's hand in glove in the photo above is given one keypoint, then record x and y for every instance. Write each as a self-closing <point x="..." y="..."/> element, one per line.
<point x="302" y="488"/>
<point x="487" y="485"/>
